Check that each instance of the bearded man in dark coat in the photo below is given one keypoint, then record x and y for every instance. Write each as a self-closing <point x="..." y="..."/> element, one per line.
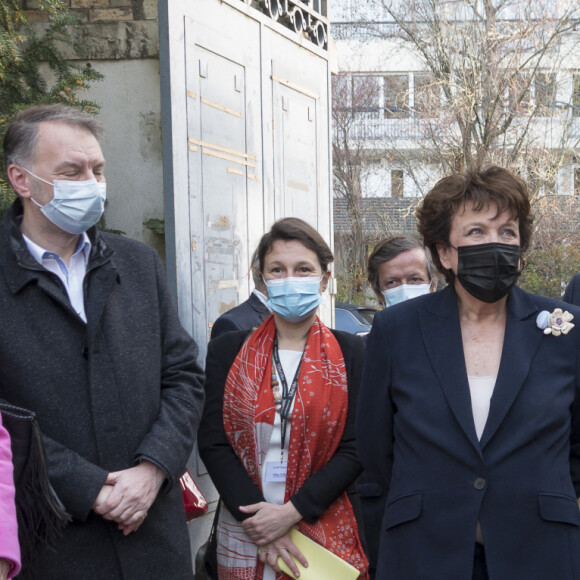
<point x="90" y="341"/>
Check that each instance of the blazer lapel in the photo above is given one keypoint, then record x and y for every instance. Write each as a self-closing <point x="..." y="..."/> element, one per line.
<point x="521" y="341"/>
<point x="442" y="338"/>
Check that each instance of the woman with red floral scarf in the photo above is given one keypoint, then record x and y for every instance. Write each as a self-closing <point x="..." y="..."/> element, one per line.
<point x="277" y="433"/>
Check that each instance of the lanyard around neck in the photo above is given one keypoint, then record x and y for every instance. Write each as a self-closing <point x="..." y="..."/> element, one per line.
<point x="287" y="393"/>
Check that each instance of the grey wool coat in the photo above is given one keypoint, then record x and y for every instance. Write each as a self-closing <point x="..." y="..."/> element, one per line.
<point x="123" y="387"/>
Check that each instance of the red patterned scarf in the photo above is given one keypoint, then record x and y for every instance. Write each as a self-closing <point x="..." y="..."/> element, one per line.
<point x="318" y="420"/>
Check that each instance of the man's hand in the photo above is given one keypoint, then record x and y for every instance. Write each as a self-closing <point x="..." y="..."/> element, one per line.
<point x="270" y="521"/>
<point x="5" y="566"/>
<point x="103" y="495"/>
<point x="132" y="492"/>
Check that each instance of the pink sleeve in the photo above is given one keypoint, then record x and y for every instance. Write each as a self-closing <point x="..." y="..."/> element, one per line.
<point x="9" y="548"/>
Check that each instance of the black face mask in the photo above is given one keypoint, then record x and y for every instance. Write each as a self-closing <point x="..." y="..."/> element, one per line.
<point x="488" y="271"/>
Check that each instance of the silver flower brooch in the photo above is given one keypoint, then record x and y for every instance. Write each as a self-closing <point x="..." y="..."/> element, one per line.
<point x="556" y="323"/>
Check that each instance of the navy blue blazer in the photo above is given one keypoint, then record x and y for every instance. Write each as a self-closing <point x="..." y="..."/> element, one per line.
<point x="249" y="314"/>
<point x="416" y="436"/>
<point x="572" y="293"/>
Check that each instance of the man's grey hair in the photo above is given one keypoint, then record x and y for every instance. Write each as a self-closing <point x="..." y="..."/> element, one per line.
<point x="22" y="133"/>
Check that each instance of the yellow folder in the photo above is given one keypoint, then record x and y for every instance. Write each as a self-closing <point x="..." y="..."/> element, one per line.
<point x="322" y="563"/>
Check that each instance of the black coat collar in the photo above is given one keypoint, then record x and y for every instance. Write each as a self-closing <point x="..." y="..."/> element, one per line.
<point x="19" y="266"/>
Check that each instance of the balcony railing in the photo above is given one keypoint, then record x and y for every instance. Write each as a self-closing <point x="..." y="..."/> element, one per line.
<point x="305" y="17"/>
<point x="364" y="30"/>
<point x="374" y="126"/>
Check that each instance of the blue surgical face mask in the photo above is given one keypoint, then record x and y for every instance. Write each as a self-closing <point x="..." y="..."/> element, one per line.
<point x="404" y="292"/>
<point x="76" y="205"/>
<point x="294" y="299"/>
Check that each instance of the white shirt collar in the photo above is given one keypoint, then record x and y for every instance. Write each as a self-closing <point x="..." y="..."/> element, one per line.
<point x="39" y="253"/>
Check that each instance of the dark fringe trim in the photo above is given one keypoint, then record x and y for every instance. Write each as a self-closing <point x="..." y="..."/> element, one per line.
<point x="41" y="515"/>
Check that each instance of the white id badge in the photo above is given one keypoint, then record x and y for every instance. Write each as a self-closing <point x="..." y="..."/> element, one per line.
<point x="276" y="471"/>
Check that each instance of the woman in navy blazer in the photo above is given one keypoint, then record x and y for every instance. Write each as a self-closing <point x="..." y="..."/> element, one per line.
<point x="468" y="414"/>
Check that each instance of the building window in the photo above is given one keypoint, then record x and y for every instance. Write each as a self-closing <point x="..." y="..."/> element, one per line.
<point x="397" y="185"/>
<point x="545" y="92"/>
<point x="518" y="93"/>
<point x="577" y="181"/>
<point x="576" y="95"/>
<point x="542" y="178"/>
<point x="365" y="94"/>
<point x="397" y="96"/>
<point x="426" y="94"/>
<point x="342" y="92"/>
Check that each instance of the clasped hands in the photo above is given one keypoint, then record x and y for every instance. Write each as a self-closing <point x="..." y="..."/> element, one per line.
<point x="269" y="528"/>
<point x="128" y="494"/>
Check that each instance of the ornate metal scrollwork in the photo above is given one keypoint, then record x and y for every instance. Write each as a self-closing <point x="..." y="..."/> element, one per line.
<point x="297" y="19"/>
<point x="304" y="17"/>
<point x="294" y="19"/>
<point x="318" y="33"/>
<point x="272" y="8"/>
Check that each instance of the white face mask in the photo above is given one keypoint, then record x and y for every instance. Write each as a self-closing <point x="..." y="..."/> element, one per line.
<point x="404" y="292"/>
<point x="76" y="205"/>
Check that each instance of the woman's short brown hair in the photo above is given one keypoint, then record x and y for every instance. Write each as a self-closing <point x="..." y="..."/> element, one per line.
<point x="480" y="188"/>
<point x="295" y="229"/>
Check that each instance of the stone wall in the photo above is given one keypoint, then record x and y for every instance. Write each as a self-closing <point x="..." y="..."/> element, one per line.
<point x="120" y="39"/>
<point x="110" y="29"/>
